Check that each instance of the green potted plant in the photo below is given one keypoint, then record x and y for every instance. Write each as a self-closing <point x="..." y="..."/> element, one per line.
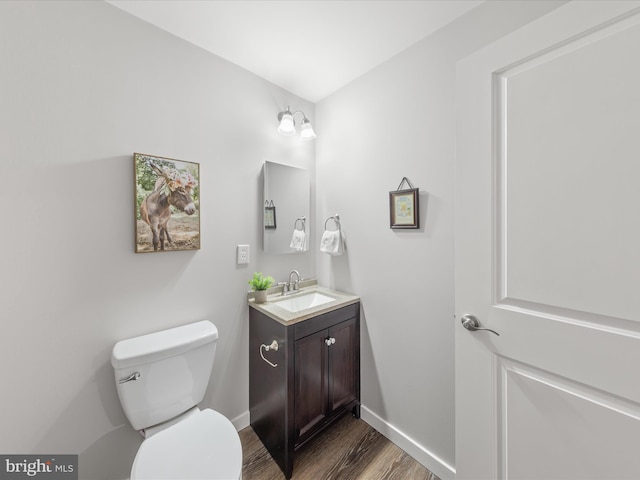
<point x="259" y="283"/>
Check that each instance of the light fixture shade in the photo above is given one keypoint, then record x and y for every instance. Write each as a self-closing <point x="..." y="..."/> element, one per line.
<point x="287" y="126"/>
<point x="306" y="130"/>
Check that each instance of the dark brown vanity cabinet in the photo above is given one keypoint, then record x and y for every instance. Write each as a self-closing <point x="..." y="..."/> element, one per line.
<point x="316" y="378"/>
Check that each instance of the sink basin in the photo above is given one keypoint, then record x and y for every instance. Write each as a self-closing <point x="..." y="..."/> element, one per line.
<point x="304" y="301"/>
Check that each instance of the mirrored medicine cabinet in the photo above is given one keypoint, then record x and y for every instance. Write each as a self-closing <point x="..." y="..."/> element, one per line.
<point x="287" y="200"/>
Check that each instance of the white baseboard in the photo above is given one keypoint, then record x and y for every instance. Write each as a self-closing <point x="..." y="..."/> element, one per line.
<point x="417" y="451"/>
<point x="241" y="421"/>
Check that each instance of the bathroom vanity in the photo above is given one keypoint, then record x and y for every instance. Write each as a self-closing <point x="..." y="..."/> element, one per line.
<point x="304" y="367"/>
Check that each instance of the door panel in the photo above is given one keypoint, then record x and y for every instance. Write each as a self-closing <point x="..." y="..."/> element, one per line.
<point x="547" y="249"/>
<point x="342" y="365"/>
<point x="569" y="126"/>
<point x="589" y="433"/>
<point x="310" y="384"/>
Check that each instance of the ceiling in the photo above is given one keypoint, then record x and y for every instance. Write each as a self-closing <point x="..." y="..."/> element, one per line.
<point x="308" y="47"/>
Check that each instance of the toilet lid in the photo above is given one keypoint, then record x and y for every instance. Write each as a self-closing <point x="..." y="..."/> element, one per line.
<point x="204" y="446"/>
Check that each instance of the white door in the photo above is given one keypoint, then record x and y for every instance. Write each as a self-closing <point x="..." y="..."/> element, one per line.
<point x="548" y="249"/>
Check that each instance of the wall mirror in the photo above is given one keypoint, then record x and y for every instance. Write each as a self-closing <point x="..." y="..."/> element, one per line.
<point x="287" y="199"/>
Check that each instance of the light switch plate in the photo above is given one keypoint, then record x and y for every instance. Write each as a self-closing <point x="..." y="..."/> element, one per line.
<point x="243" y="254"/>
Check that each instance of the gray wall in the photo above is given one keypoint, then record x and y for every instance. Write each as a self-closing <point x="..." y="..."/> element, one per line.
<point x="83" y="85"/>
<point x="395" y="121"/>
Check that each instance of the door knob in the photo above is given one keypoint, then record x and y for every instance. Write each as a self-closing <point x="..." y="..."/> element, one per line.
<point x="471" y="323"/>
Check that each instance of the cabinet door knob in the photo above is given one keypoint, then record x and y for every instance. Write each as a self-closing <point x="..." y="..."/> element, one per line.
<point x="329" y="341"/>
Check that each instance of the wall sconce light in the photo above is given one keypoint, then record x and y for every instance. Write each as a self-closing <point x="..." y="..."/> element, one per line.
<point x="287" y="125"/>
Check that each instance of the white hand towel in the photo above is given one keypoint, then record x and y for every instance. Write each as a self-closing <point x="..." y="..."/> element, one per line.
<point x="299" y="241"/>
<point x="333" y="242"/>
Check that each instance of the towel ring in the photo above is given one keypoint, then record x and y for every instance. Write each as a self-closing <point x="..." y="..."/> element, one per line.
<point x="301" y="220"/>
<point x="335" y="218"/>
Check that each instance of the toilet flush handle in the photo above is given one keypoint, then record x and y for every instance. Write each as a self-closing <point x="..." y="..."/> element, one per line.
<point x="133" y="376"/>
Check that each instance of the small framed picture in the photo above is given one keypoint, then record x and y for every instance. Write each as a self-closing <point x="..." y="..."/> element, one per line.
<point x="269" y="215"/>
<point x="404" y="208"/>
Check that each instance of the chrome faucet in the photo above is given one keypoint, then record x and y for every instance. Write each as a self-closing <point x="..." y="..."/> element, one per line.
<point x="291" y="286"/>
<point x="295" y="284"/>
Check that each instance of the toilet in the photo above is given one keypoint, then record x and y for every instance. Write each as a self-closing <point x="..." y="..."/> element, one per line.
<point x="160" y="379"/>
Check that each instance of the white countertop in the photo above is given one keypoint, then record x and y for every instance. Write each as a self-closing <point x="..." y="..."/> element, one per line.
<point x="271" y="308"/>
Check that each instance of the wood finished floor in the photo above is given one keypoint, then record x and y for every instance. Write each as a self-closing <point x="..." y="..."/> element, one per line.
<point x="349" y="450"/>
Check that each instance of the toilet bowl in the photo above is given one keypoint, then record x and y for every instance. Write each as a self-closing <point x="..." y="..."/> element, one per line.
<point x="205" y="446"/>
<point x="160" y="378"/>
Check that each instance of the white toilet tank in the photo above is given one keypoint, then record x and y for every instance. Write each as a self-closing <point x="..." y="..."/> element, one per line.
<point x="163" y="374"/>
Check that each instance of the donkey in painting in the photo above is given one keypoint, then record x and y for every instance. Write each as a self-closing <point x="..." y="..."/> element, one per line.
<point x="171" y="188"/>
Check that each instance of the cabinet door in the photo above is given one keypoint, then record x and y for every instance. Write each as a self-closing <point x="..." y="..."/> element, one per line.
<point x="344" y="365"/>
<point x="310" y="384"/>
